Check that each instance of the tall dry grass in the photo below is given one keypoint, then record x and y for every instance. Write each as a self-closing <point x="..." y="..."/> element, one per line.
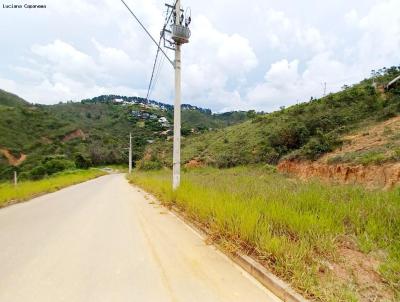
<point x="293" y="227"/>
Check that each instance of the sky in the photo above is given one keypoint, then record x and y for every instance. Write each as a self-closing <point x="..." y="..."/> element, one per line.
<point x="242" y="55"/>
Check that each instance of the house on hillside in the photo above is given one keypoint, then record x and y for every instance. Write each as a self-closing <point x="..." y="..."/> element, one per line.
<point x="393" y="83"/>
<point x="163" y="121"/>
<point x="136" y="113"/>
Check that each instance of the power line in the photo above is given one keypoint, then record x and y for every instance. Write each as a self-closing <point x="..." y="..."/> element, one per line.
<point x="152" y="74"/>
<point x="151" y="84"/>
<point x="148" y="33"/>
<point x="157" y="76"/>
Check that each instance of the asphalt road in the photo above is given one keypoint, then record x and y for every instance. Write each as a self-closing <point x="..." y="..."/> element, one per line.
<point x="104" y="241"/>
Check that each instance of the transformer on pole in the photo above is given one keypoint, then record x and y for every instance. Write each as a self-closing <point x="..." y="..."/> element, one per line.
<point x="180" y="34"/>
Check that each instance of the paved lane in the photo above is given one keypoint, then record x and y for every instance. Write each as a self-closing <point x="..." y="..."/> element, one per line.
<point x="103" y="241"/>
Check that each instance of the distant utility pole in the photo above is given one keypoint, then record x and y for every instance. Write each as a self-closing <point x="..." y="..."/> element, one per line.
<point x="130" y="153"/>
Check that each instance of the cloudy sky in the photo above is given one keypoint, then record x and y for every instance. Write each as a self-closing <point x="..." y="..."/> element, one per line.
<point x="254" y="54"/>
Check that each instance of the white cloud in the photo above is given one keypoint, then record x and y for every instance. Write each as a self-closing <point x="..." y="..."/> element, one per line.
<point x="271" y="54"/>
<point x="380" y="41"/>
<point x="285" y="84"/>
<point x="351" y="17"/>
<point x="282" y="72"/>
<point x="213" y="61"/>
<point x="63" y="57"/>
<point x="283" y="33"/>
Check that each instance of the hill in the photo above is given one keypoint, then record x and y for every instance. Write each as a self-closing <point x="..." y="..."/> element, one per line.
<point x="39" y="139"/>
<point x="9" y="99"/>
<point x="305" y="131"/>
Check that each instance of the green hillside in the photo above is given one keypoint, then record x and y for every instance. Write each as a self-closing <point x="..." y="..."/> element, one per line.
<point x="9" y="99"/>
<point x="304" y="131"/>
<point x="89" y="133"/>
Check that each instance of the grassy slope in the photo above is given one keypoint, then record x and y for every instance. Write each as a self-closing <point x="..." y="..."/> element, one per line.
<point x="376" y="144"/>
<point x="38" y="130"/>
<point x="296" y="229"/>
<point x="29" y="189"/>
<point x="306" y="130"/>
<point x="199" y="120"/>
<point x="9" y="99"/>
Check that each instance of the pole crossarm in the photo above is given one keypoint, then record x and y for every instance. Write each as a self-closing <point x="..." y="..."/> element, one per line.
<point x="148" y="33"/>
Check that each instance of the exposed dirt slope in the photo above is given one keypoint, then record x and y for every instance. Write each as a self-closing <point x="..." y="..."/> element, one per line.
<point x="383" y="137"/>
<point x="12" y="160"/>
<point x="369" y="157"/>
<point x="75" y="134"/>
<point x="387" y="175"/>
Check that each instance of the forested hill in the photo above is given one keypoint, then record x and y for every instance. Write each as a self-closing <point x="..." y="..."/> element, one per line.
<point x="43" y="139"/>
<point x="304" y="131"/>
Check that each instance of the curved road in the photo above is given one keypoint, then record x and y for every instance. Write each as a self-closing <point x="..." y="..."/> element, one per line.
<point x="103" y="241"/>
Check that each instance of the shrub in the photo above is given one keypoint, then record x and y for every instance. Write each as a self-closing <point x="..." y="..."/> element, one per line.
<point x="147" y="165"/>
<point x="289" y="137"/>
<point x="57" y="165"/>
<point x="82" y="162"/>
<point x="37" y="172"/>
<point x="319" y="145"/>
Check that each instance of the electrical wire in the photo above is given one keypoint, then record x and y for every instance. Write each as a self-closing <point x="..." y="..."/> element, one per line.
<point x="152" y="74"/>
<point x="157" y="76"/>
<point x="151" y="83"/>
<point x="148" y="33"/>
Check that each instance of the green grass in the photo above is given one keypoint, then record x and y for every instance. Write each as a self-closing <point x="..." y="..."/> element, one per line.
<point x="303" y="131"/>
<point x="28" y="189"/>
<point x="294" y="228"/>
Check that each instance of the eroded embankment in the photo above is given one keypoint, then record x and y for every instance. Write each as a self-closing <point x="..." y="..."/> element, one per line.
<point x="12" y="160"/>
<point x="372" y="176"/>
<point x="75" y="134"/>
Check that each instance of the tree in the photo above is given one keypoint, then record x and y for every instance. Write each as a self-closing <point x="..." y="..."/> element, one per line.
<point x="82" y="162"/>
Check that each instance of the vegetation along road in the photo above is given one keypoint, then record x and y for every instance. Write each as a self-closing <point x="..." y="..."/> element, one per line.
<point x="103" y="241"/>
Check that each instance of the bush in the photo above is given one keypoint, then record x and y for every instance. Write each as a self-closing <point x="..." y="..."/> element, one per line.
<point x="147" y="165"/>
<point x="82" y="162"/>
<point x="57" y="165"/>
<point x="289" y="137"/>
<point x="37" y="172"/>
<point x="319" y="145"/>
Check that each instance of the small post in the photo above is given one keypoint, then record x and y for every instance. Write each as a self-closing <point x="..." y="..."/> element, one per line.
<point x="15" y="178"/>
<point x="130" y="153"/>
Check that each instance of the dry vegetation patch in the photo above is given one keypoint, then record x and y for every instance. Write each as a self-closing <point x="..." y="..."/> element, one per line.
<point x="332" y="243"/>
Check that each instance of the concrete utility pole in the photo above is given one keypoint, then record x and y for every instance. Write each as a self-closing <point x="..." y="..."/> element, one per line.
<point x="180" y="34"/>
<point x="130" y="153"/>
<point x="176" y="169"/>
<point x="15" y="178"/>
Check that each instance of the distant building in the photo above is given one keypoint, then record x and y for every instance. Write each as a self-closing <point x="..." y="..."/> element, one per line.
<point x="393" y="83"/>
<point x="163" y="121"/>
<point x="135" y="113"/>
